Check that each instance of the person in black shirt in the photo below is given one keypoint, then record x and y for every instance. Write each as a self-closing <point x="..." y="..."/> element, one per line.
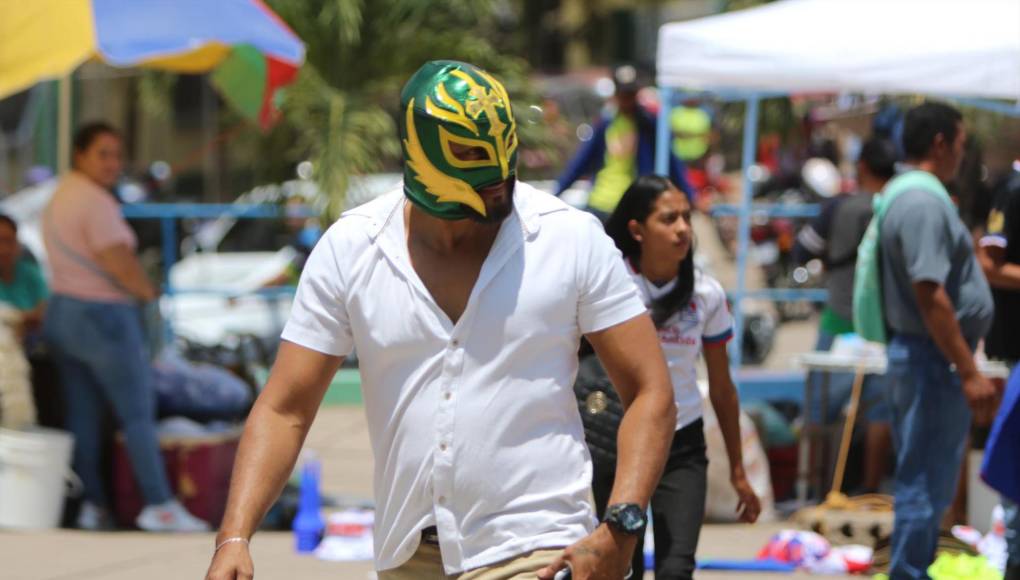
<point x="999" y="254"/>
<point x="833" y="237"/>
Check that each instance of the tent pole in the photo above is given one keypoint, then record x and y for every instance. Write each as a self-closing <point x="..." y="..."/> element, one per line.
<point x="1003" y="108"/>
<point x="64" y="124"/>
<point x="744" y="228"/>
<point x="662" y="131"/>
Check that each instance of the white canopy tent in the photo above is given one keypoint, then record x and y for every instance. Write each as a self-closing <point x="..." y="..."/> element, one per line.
<point x="951" y="48"/>
<point x="959" y="48"/>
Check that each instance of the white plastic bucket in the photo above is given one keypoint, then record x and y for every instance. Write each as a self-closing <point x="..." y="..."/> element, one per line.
<point x="34" y="472"/>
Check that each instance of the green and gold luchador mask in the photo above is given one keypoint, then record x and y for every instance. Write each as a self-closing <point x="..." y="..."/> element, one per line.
<point x="448" y="108"/>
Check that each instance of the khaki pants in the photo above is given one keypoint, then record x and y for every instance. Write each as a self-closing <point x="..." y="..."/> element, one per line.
<point x="426" y="564"/>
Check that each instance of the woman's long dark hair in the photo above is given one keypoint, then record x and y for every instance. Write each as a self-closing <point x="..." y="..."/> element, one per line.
<point x="637" y="204"/>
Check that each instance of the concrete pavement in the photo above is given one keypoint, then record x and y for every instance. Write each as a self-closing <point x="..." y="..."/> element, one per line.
<point x="340" y="438"/>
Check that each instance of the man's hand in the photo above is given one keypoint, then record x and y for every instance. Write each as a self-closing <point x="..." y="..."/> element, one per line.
<point x="981" y="396"/>
<point x="940" y="319"/>
<point x="604" y="555"/>
<point x="232" y="562"/>
<point x="749" y="506"/>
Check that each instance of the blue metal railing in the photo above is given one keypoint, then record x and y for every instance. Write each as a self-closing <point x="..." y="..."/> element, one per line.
<point x="169" y="213"/>
<point x="772" y="210"/>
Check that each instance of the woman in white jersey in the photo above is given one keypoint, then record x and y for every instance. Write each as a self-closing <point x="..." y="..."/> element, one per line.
<point x="652" y="228"/>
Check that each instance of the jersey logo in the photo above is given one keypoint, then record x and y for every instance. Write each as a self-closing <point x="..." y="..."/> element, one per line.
<point x="996" y="222"/>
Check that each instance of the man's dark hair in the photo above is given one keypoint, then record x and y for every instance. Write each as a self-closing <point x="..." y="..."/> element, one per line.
<point x="879" y="156"/>
<point x="924" y="122"/>
<point x="89" y="132"/>
<point x="8" y="220"/>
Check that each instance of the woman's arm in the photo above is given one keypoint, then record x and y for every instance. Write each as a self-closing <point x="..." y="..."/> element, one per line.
<point x="120" y="262"/>
<point x="723" y="396"/>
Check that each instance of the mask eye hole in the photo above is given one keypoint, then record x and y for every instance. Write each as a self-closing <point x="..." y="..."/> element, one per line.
<point x="469" y="153"/>
<point x="465" y="152"/>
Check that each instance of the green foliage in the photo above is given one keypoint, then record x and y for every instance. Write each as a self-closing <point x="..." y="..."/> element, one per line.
<point x="155" y="88"/>
<point x="731" y="5"/>
<point x="340" y="111"/>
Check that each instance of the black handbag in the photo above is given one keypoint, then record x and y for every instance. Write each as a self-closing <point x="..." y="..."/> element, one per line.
<point x="600" y="408"/>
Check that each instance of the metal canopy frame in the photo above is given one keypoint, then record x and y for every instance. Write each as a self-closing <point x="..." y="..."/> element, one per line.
<point x="746" y="208"/>
<point x="169" y="213"/>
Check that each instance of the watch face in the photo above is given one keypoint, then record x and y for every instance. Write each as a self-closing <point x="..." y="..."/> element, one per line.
<point x="629" y="518"/>
<point x="632" y="518"/>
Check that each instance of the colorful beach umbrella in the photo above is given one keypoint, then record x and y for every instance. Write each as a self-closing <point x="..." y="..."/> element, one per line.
<point x="249" y="50"/>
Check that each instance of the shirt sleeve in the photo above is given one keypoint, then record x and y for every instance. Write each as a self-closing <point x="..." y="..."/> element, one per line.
<point x="1004" y="219"/>
<point x="923" y="234"/>
<point x="318" y="318"/>
<point x="105" y="227"/>
<point x="607" y="294"/>
<point x="718" y="319"/>
<point x="813" y="238"/>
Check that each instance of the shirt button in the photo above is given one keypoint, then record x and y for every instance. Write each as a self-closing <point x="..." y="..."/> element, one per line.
<point x="455" y="342"/>
<point x="442" y="499"/>
<point x="447" y="396"/>
<point x="442" y="446"/>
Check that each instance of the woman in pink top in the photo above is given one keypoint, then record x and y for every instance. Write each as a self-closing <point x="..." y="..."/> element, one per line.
<point x="93" y="326"/>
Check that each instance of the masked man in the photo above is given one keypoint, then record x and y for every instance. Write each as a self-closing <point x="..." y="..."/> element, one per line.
<point x="465" y="294"/>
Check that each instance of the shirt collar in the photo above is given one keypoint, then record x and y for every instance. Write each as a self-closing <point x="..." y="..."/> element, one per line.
<point x="529" y="205"/>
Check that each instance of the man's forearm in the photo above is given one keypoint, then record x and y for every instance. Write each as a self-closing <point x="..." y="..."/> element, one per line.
<point x="265" y="460"/>
<point x="1000" y="273"/>
<point x="940" y="320"/>
<point x="643" y="442"/>
<point x="1004" y="277"/>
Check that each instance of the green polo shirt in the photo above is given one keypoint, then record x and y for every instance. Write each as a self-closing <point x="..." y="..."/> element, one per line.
<point x="27" y="289"/>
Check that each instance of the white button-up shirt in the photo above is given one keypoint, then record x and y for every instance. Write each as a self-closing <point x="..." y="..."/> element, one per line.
<point x="474" y="425"/>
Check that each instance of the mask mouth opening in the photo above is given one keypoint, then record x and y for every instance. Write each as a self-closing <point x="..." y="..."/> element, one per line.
<point x="480" y="189"/>
<point x="498" y="209"/>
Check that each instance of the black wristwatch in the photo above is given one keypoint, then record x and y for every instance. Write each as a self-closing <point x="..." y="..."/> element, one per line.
<point x="628" y="518"/>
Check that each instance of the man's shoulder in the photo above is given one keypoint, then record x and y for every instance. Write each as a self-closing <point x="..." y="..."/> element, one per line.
<point x="533" y="203"/>
<point x="853" y="209"/>
<point x="534" y="199"/>
<point x="359" y="226"/>
<point x="378" y="208"/>
<point x="858" y="202"/>
<point x="911" y="201"/>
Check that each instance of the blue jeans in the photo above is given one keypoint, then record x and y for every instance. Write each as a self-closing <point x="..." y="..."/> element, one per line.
<point x="930" y="421"/>
<point x="100" y="353"/>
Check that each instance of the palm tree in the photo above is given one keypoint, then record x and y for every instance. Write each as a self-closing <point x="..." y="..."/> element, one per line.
<point x="340" y="111"/>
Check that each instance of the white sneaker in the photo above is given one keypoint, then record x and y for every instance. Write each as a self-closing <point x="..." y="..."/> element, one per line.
<point x="94" y="518"/>
<point x="170" y="516"/>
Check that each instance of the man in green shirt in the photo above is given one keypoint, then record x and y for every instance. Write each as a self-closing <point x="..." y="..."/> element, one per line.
<point x="21" y="283"/>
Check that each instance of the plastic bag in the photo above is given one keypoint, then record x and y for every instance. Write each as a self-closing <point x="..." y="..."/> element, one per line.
<point x="721" y="500"/>
<point x="17" y="405"/>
